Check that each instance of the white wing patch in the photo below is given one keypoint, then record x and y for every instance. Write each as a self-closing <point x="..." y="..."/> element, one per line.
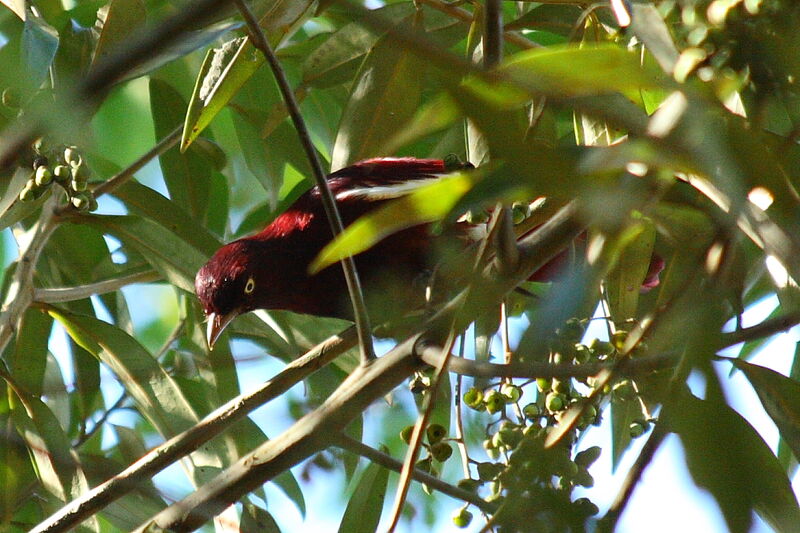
<point x="386" y="191"/>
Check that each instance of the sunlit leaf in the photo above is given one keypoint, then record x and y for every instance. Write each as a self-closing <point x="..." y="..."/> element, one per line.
<point x="649" y="26"/>
<point x="17" y="6"/>
<point x="30" y="351"/>
<point x="226" y="69"/>
<point x="384" y="97"/>
<point x="117" y="21"/>
<point x="623" y="283"/>
<point x="50" y="448"/>
<point x="39" y="45"/>
<point x="426" y="204"/>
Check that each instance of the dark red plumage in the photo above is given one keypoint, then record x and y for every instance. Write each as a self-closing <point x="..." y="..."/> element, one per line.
<point x="269" y="270"/>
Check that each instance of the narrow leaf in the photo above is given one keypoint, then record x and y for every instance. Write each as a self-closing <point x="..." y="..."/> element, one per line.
<point x="363" y="511"/>
<point x="39" y="45"/>
<point x="384" y="97"/>
<point x="426" y="204"/>
<point x="780" y="397"/>
<point x="117" y="20"/>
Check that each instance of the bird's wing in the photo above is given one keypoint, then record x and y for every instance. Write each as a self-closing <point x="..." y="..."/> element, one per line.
<point x="385" y="178"/>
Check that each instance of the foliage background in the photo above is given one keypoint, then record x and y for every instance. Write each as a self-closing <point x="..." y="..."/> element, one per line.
<point x="704" y="90"/>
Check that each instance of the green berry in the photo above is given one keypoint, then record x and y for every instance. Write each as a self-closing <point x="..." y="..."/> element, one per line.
<point x="618" y="339"/>
<point x="585" y="507"/>
<point x="462" y="518"/>
<point x="582" y="354"/>
<point x="80" y="201"/>
<point x="441" y="451"/>
<point x="601" y="347"/>
<point x="78" y="186"/>
<point x="543" y="384"/>
<point x="532" y="411"/>
<point x="519" y="212"/>
<point x="583" y="478"/>
<point x="588" y="456"/>
<point x="555" y="401"/>
<point x="424" y="465"/>
<point x="494" y="402"/>
<point x="43" y="176"/>
<point x="638" y="428"/>
<point x="572" y="330"/>
<point x="511" y="392"/>
<point x="468" y="484"/>
<point x="435" y="433"/>
<point x="10" y="98"/>
<point x="624" y="390"/>
<point x="80" y="172"/>
<point x="509" y="435"/>
<point x="93" y="203"/>
<point x="405" y="434"/>
<point x="473" y="397"/>
<point x="488" y="471"/>
<point x="27" y="194"/>
<point x="476" y="217"/>
<point x="72" y="156"/>
<point x="62" y="173"/>
<point x="563" y="387"/>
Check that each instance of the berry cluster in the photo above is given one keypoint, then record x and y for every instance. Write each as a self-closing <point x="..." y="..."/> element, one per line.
<point x="536" y="480"/>
<point x="65" y="166"/>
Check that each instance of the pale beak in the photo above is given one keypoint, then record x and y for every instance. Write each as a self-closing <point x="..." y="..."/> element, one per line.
<point x="216" y="325"/>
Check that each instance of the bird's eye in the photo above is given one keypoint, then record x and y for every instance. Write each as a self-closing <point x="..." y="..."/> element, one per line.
<point x="249" y="286"/>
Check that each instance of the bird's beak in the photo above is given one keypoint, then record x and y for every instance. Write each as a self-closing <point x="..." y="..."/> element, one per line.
<point x="216" y="325"/>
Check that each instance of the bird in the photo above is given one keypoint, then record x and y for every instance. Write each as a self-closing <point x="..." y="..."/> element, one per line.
<point x="269" y="270"/>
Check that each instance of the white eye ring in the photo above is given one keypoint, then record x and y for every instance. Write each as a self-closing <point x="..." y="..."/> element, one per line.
<point x="249" y="286"/>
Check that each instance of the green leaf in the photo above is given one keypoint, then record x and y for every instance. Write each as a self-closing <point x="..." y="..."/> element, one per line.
<point x="16" y="474"/>
<point x="29" y="360"/>
<point x="227" y="68"/>
<point x="363" y="512"/>
<point x="564" y="71"/>
<point x="50" y="449"/>
<point x="17" y="6"/>
<point x="426" y="204"/>
<point x="623" y="412"/>
<point x="187" y="176"/>
<point x="117" y="20"/>
<point x="624" y="281"/>
<point x="170" y="256"/>
<point x="432" y="117"/>
<point x="39" y="46"/>
<point x="384" y="97"/>
<point x="729" y="458"/>
<point x="156" y="394"/>
<point x="780" y="397"/>
<point x="254" y="518"/>
<point x="648" y="25"/>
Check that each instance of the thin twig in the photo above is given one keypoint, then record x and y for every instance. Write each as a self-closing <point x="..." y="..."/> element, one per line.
<point x="212" y="425"/>
<point x="123" y="176"/>
<point x="360" y="315"/>
<point x="102" y="420"/>
<point x="359" y="448"/>
<point x="69" y="294"/>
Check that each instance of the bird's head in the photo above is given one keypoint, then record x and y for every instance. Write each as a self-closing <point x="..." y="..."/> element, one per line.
<point x="229" y="285"/>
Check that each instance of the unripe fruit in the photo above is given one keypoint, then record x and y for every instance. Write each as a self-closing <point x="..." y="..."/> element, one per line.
<point x="601" y="347"/>
<point x="532" y="411"/>
<point x="563" y="387"/>
<point x="473" y="397"/>
<point x="476" y="217"/>
<point x="583" y="478"/>
<point x="435" y="433"/>
<point x="441" y="451"/>
<point x="10" y="98"/>
<point x="555" y="401"/>
<point x="638" y="428"/>
<point x="27" y="194"/>
<point x="519" y="212"/>
<point x="624" y="390"/>
<point x="510" y="435"/>
<point x="511" y="392"/>
<point x="572" y="330"/>
<point x="488" y="471"/>
<point x="582" y="354"/>
<point x="405" y="434"/>
<point x="462" y="518"/>
<point x="43" y="176"/>
<point x="80" y="172"/>
<point x="584" y="506"/>
<point x="494" y="402"/>
<point x="588" y="456"/>
<point x="424" y="465"/>
<point x="543" y="384"/>
<point x="93" y="203"/>
<point x="618" y="339"/>
<point x="80" y="201"/>
<point x="468" y="484"/>
<point x="62" y="173"/>
<point x="72" y="156"/>
<point x="78" y="186"/>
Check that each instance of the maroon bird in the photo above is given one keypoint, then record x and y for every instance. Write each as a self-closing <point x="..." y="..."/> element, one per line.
<point x="269" y="270"/>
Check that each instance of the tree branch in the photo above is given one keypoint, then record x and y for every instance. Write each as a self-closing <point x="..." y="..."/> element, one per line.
<point x="359" y="448"/>
<point x="328" y="202"/>
<point x="180" y="445"/>
<point x="69" y="294"/>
